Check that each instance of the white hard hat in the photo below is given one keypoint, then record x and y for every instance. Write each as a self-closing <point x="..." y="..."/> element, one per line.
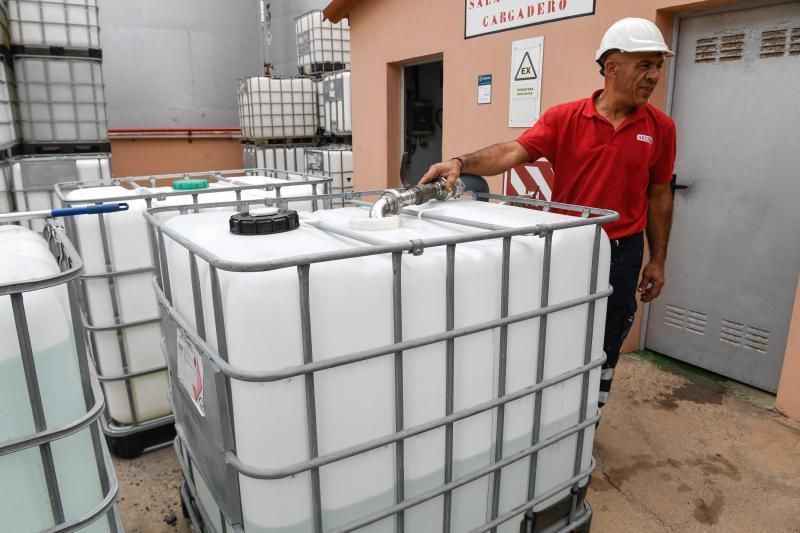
<point x="633" y="35"/>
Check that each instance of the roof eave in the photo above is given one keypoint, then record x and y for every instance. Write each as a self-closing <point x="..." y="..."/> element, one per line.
<point x="339" y="9"/>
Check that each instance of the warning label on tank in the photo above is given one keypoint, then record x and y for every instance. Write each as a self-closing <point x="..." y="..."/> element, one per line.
<point x="190" y="371"/>
<point x="303" y="43"/>
<point x="334" y="89"/>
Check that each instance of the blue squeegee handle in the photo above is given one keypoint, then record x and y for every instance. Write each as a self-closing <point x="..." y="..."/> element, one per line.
<point x="89" y="209"/>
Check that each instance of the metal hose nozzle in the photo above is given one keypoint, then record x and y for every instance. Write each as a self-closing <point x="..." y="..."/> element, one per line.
<point x="393" y="200"/>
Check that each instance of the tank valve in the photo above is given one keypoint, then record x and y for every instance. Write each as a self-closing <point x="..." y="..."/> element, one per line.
<point x="393" y="200"/>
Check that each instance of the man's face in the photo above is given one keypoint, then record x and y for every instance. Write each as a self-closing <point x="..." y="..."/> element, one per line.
<point x="634" y="75"/>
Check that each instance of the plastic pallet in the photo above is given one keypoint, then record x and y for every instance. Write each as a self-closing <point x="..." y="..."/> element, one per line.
<point x="554" y="517"/>
<point x="321" y="68"/>
<point x="94" y="147"/>
<point x="280" y="141"/>
<point x="57" y="51"/>
<point x="336" y="139"/>
<point x="7" y="152"/>
<point x="131" y="446"/>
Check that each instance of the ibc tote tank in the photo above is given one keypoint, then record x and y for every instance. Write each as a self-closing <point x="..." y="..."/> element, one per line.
<point x="336" y="95"/>
<point x="349" y="309"/>
<point x="121" y="250"/>
<point x="279" y="34"/>
<point x="45" y="390"/>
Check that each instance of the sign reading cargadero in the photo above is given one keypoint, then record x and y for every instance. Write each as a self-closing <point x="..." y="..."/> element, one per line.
<point x="492" y="16"/>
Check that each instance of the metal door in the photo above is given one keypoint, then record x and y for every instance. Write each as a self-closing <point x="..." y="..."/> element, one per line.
<point x="734" y="253"/>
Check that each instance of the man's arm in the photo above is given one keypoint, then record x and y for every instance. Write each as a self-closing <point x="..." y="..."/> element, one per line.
<point x="488" y="161"/>
<point x="659" y="221"/>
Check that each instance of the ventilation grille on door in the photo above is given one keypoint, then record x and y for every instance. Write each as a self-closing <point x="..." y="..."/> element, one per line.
<point x="686" y="319"/>
<point x="719" y="48"/>
<point x="773" y="43"/>
<point x="777" y="42"/>
<point x="748" y="337"/>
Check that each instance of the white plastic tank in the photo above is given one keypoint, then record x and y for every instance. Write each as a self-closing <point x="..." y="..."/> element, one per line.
<point x="291" y="158"/>
<point x="26" y="506"/>
<point x="67" y="23"/>
<point x="334" y="161"/>
<point x="292" y="186"/>
<point x="5" y="35"/>
<point x="129" y="248"/>
<point x="351" y="310"/>
<point x="6" y="200"/>
<point x="338" y="103"/>
<point x="9" y="135"/>
<point x="278" y="32"/>
<point x="321" y="45"/>
<point x="61" y="99"/>
<point x="320" y="102"/>
<point x="33" y="178"/>
<point x="273" y="108"/>
<point x="249" y="156"/>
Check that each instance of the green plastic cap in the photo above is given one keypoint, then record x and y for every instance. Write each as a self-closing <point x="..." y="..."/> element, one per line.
<point x="189" y="185"/>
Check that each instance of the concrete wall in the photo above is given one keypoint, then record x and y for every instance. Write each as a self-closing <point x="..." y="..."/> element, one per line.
<point x="141" y="157"/>
<point x="175" y="63"/>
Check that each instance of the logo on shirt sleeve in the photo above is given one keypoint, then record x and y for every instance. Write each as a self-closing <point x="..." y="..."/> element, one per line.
<point x="644" y="138"/>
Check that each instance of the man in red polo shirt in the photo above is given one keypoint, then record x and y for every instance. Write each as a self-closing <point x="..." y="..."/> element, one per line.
<point x="615" y="151"/>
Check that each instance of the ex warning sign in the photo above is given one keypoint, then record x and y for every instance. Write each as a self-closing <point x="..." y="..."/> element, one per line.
<point x="524" y="104"/>
<point x="526" y="70"/>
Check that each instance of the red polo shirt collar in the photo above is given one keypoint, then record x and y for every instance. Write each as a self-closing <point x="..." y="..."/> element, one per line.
<point x="589" y="110"/>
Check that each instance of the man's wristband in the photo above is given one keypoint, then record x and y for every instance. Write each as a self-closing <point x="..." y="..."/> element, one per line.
<point x="460" y="161"/>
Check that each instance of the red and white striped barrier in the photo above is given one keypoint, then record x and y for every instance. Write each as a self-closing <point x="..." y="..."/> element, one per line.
<point x="531" y="179"/>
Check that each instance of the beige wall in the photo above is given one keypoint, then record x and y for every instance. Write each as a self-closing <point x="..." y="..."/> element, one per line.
<point x="387" y="34"/>
<point x="788" y="401"/>
<point x="142" y="156"/>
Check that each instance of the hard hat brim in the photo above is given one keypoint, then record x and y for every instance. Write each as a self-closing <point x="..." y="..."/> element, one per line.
<point x="602" y="51"/>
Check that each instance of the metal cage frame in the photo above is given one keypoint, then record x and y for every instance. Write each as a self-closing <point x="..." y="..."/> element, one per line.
<point x="209" y="441"/>
<point x="220" y="177"/>
<point x="71" y="268"/>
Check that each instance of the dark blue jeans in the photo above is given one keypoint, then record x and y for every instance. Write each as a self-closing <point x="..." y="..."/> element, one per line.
<point x="626" y="263"/>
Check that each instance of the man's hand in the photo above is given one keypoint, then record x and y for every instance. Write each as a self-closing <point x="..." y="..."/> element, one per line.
<point x="449" y="170"/>
<point x="488" y="161"/>
<point x="652" y="281"/>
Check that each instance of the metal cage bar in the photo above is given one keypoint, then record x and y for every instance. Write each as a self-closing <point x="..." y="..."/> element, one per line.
<point x="540" y="357"/>
<point x="501" y="375"/>
<point x="397" y="330"/>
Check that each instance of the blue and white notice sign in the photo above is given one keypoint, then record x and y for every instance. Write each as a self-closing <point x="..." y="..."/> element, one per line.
<point x="484" y="89"/>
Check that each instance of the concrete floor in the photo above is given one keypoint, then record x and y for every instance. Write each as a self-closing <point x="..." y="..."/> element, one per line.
<point x="677" y="451"/>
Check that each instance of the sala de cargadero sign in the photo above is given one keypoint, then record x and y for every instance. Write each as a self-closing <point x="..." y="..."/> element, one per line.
<point x="492" y="16"/>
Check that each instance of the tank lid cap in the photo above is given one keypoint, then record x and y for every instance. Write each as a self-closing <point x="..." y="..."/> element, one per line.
<point x="249" y="224"/>
<point x="189" y="185"/>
